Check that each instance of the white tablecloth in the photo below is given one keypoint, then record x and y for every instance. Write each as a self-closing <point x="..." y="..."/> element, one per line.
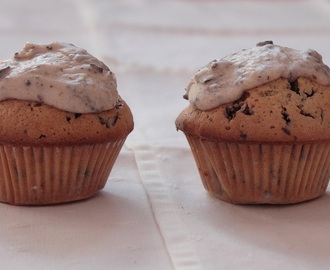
<point x="154" y="212"/>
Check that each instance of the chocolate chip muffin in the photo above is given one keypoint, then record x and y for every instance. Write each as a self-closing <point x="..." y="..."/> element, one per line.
<point x="62" y="125"/>
<point x="258" y="125"/>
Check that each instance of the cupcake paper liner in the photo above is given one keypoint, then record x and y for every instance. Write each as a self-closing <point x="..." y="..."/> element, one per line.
<point x="256" y="173"/>
<point x="31" y="175"/>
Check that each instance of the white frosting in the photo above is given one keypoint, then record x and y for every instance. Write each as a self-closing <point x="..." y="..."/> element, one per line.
<point x="60" y="75"/>
<point x="224" y="81"/>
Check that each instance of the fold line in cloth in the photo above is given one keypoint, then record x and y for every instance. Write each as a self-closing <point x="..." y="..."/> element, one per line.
<point x="164" y="209"/>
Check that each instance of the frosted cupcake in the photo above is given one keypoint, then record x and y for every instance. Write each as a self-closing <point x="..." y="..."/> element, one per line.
<point x="62" y="125"/>
<point x="258" y="125"/>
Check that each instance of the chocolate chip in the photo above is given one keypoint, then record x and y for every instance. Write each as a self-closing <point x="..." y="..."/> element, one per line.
<point x="115" y="119"/>
<point x="109" y="122"/>
<point x="230" y="110"/>
<point x="243" y="135"/>
<point x="40" y="98"/>
<point x="42" y="136"/>
<point x="247" y="110"/>
<point x="303" y="112"/>
<point x="118" y="105"/>
<point x="285" y="115"/>
<point x="96" y="68"/>
<point x="263" y="43"/>
<point x="308" y="95"/>
<point x="286" y="130"/>
<point x="206" y="81"/>
<point x="294" y="87"/>
<point x="4" y="71"/>
<point x="214" y="64"/>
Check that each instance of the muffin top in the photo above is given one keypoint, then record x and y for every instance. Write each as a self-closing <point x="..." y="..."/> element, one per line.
<point x="60" y="75"/>
<point x="224" y="81"/>
<point x="38" y="124"/>
<point x="266" y="94"/>
<point x="59" y="94"/>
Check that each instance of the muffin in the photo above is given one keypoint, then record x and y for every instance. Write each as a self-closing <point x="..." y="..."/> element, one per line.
<point x="62" y="125"/>
<point x="258" y="125"/>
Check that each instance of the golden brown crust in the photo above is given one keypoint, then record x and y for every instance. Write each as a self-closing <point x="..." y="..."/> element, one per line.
<point x="275" y="112"/>
<point x="32" y="123"/>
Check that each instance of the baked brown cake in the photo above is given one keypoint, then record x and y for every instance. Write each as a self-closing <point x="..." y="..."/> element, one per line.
<point x="34" y="123"/>
<point x="278" y="111"/>
<point x="269" y="145"/>
<point x="62" y="125"/>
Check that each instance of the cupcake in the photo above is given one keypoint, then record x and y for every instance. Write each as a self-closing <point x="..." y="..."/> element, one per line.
<point x="258" y="125"/>
<point x="62" y="125"/>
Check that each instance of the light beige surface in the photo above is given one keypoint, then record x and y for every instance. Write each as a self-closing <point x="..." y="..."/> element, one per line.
<point x="154" y="212"/>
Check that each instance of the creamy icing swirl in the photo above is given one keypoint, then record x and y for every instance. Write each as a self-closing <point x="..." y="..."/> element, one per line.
<point x="60" y="75"/>
<point x="224" y="81"/>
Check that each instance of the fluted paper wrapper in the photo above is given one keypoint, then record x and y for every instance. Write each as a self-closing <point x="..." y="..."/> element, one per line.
<point x="32" y="175"/>
<point x="260" y="173"/>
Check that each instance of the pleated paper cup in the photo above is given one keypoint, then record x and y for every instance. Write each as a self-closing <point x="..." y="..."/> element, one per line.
<point x="262" y="173"/>
<point x="42" y="175"/>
